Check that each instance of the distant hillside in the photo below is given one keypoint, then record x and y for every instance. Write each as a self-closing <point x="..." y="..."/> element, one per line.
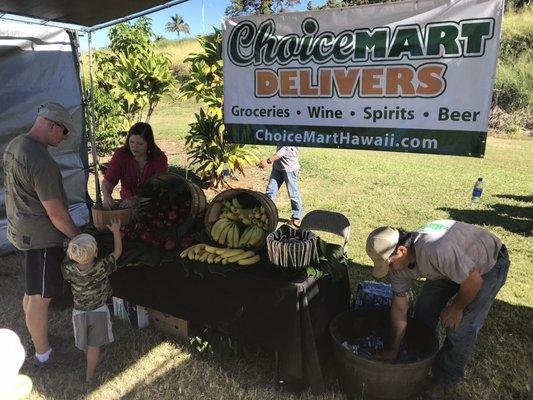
<point x="179" y="49"/>
<point x="513" y="90"/>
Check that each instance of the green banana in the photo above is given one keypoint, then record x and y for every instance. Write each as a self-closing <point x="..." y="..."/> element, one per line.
<point x="246" y="254"/>
<point x="203" y="256"/>
<point x="229" y="237"/>
<point x="249" y="261"/>
<point x="245" y="236"/>
<point x="232" y="216"/>
<point x="192" y="253"/>
<point x="226" y="205"/>
<point x="210" y="249"/>
<point x="236" y="234"/>
<point x="218" y="227"/>
<point x="256" y="236"/>
<point x="224" y="233"/>
<point x="199" y="247"/>
<point x="184" y="253"/>
<point x="236" y="203"/>
<point x="231" y="252"/>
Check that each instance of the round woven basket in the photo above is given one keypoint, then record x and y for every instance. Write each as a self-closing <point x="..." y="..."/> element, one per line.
<point x="249" y="199"/>
<point x="292" y="248"/>
<point x="170" y="180"/>
<point x="101" y="217"/>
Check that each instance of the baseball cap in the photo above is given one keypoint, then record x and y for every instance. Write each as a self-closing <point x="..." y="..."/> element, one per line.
<point x="57" y="113"/>
<point x="379" y="246"/>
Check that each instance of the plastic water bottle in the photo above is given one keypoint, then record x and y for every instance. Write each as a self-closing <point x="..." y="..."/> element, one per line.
<point x="226" y="172"/>
<point x="478" y="190"/>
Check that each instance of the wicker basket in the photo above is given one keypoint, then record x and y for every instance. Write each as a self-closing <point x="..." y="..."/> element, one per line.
<point x="248" y="198"/>
<point x="101" y="217"/>
<point x="171" y="180"/>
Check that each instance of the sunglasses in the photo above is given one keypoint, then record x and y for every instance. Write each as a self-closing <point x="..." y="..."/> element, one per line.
<point x="65" y="130"/>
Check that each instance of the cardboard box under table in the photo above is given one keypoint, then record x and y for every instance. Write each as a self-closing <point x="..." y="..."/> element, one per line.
<point x="169" y="324"/>
<point x="286" y="313"/>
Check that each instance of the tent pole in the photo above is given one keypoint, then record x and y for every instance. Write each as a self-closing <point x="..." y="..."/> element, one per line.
<point x="92" y="129"/>
<point x="86" y="131"/>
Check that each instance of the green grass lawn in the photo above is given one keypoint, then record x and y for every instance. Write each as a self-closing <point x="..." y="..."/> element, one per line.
<point x="371" y="188"/>
<point x="172" y="118"/>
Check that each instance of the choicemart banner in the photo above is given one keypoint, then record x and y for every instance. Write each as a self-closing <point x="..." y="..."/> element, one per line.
<point x="413" y="76"/>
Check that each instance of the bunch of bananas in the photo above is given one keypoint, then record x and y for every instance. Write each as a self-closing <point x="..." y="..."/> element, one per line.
<point x="226" y="230"/>
<point x="216" y="255"/>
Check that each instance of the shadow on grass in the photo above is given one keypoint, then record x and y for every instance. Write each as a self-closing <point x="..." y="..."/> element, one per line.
<point x="515" y="219"/>
<point x="225" y="370"/>
<point x="500" y="364"/>
<point x="527" y="199"/>
<point x="498" y="368"/>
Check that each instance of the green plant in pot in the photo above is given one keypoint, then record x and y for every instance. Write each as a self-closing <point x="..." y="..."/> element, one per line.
<point x="209" y="152"/>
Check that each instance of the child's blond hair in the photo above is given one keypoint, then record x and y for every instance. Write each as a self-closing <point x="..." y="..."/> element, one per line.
<point x="82" y="248"/>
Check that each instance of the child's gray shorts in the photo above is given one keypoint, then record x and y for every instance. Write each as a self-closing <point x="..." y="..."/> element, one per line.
<point x="92" y="328"/>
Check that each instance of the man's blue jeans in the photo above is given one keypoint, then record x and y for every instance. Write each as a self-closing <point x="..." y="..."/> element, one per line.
<point x="451" y="359"/>
<point x="291" y="180"/>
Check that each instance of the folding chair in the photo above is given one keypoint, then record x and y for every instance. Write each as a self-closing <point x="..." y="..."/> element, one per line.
<point x="328" y="221"/>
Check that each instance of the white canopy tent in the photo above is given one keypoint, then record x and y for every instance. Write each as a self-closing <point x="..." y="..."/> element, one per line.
<point x="40" y="62"/>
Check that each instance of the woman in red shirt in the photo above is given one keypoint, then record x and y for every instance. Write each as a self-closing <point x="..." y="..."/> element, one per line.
<point x="133" y="164"/>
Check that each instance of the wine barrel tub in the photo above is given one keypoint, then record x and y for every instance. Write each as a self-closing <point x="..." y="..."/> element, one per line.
<point x="362" y="377"/>
<point x="248" y="199"/>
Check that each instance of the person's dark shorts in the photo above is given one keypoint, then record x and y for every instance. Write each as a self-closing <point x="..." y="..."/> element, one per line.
<point x="42" y="270"/>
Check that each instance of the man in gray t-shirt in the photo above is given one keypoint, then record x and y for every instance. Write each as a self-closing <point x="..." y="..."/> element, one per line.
<point x="285" y="168"/>
<point x="458" y="260"/>
<point x="37" y="217"/>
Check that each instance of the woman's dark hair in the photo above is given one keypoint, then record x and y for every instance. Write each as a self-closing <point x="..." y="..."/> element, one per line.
<point x="144" y="130"/>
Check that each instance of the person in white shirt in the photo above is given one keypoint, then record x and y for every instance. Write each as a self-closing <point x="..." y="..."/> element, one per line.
<point x="285" y="168"/>
<point x="459" y="261"/>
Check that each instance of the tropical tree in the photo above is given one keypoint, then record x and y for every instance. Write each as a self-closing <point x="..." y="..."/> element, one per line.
<point x="246" y="7"/>
<point x="205" y="79"/>
<point x="208" y="150"/>
<point x="177" y="24"/>
<point x="345" y="3"/>
<point x="131" y="77"/>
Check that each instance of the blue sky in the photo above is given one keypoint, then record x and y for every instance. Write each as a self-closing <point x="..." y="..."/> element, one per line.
<point x="191" y="11"/>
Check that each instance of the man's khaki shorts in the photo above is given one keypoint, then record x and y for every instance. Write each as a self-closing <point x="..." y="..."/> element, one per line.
<point x="92" y="328"/>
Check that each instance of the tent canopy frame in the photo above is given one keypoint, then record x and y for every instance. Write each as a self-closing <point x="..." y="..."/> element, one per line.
<point x="36" y="20"/>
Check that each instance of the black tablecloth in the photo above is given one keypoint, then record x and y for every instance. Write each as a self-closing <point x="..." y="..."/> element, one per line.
<point x="283" y="312"/>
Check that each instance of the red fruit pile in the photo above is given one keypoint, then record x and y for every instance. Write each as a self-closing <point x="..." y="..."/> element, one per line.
<point x="158" y="223"/>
